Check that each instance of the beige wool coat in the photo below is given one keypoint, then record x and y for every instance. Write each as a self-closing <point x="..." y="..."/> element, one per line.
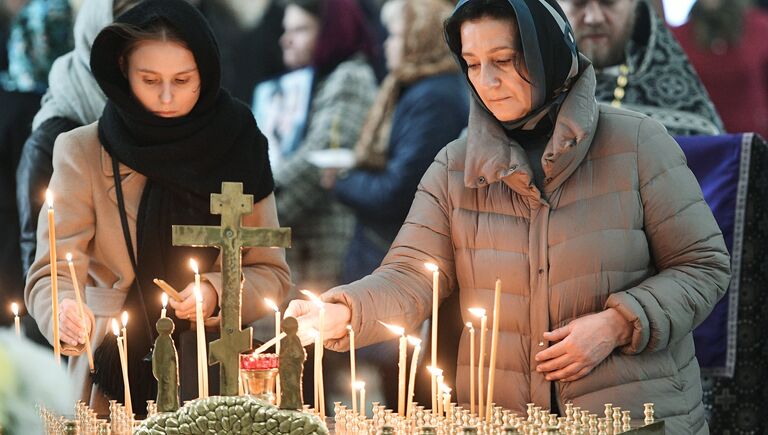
<point x="622" y="223"/>
<point x="88" y="226"/>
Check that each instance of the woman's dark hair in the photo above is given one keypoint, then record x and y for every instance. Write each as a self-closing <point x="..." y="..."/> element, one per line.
<point x="158" y="30"/>
<point x="475" y="10"/>
<point x="344" y="32"/>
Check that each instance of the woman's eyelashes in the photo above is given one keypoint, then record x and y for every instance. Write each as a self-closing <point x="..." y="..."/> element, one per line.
<point x="155" y="81"/>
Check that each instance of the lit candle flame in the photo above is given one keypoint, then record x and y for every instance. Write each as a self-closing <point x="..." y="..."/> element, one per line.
<point x="124" y="318"/>
<point x="359" y="385"/>
<point x="115" y="328"/>
<point x="435" y="371"/>
<point x="313" y="332"/>
<point x="445" y="389"/>
<point x="271" y="304"/>
<point x="198" y="294"/>
<point x="69" y="257"/>
<point x="432" y="267"/>
<point x="49" y="198"/>
<point x="396" y="329"/>
<point x="15" y="308"/>
<point x="479" y="312"/>
<point x="470" y="326"/>
<point x="193" y="265"/>
<point x="349" y="327"/>
<point x="313" y="297"/>
<point x="164" y="299"/>
<point x="414" y="341"/>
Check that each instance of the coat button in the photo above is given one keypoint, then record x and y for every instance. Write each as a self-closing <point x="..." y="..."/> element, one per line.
<point x="541" y="271"/>
<point x="481" y="180"/>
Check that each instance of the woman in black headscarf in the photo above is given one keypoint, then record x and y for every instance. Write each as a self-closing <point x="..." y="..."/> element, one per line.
<point x="606" y="252"/>
<point x="169" y="136"/>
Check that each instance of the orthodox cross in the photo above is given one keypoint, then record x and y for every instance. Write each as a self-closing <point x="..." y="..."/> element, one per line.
<point x="230" y="238"/>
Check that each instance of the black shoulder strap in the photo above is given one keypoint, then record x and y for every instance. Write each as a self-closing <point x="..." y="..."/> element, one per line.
<point x="129" y="245"/>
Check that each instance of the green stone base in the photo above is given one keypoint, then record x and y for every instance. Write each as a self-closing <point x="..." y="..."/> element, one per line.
<point x="232" y="416"/>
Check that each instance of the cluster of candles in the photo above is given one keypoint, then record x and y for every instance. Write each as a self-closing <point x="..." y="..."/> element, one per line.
<point x="405" y="398"/>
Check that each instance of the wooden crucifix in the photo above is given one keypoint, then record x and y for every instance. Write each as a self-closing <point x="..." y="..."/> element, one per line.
<point x="230" y="238"/>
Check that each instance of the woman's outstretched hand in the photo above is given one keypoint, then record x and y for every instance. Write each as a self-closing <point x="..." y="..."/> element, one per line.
<point x="582" y="345"/>
<point x="337" y="317"/>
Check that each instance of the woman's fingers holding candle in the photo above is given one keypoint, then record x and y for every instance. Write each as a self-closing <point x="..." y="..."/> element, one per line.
<point x="72" y="328"/>
<point x="337" y="317"/>
<point x="186" y="308"/>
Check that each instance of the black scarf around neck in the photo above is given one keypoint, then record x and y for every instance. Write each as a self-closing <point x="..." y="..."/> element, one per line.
<point x="185" y="160"/>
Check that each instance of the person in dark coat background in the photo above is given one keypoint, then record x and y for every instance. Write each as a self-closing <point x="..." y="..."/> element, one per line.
<point x="38" y="35"/>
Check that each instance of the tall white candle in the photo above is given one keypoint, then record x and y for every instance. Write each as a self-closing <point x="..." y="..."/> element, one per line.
<point x="435" y="304"/>
<point x="54" y="277"/>
<point x="401" y="367"/>
<point x="202" y="351"/>
<point x="124" y="320"/>
<point x="480" y="312"/>
<point x="352" y="368"/>
<point x="494" y="348"/>
<point x="319" y="350"/>
<point x="124" y="367"/>
<point x="271" y="304"/>
<point x="471" y="368"/>
<point x="80" y="309"/>
<point x="412" y="375"/>
<point x="15" y="310"/>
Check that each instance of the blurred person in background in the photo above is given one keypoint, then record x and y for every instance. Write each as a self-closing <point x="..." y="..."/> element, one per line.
<point x="639" y="64"/>
<point x="248" y="32"/>
<point x="332" y="37"/>
<point x="423" y="104"/>
<point x="726" y="42"/>
<point x="73" y="99"/>
<point x="39" y="34"/>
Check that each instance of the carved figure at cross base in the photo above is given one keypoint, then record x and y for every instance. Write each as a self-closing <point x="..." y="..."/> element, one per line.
<point x="165" y="367"/>
<point x="231" y="237"/>
<point x="292" y="357"/>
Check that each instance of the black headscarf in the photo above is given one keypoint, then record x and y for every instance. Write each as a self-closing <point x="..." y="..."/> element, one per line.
<point x="549" y="50"/>
<point x="185" y="160"/>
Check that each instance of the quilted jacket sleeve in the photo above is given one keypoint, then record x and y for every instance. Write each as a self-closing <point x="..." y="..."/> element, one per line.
<point x="400" y="291"/>
<point x="686" y="245"/>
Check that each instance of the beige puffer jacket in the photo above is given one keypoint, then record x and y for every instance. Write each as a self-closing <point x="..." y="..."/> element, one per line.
<point x="624" y="226"/>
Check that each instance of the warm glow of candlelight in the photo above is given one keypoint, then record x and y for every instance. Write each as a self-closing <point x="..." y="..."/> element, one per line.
<point x="164" y="299"/>
<point x="435" y="371"/>
<point x="445" y="389"/>
<point x="469" y="326"/>
<point x="15" y="309"/>
<point x="69" y="257"/>
<point x="271" y="304"/>
<point x="115" y="328"/>
<point x="432" y="267"/>
<point x="313" y="297"/>
<point x="478" y="312"/>
<point x="349" y="328"/>
<point x="312" y="332"/>
<point x="414" y="341"/>
<point x="124" y="319"/>
<point x="395" y="329"/>
<point x="193" y="265"/>
<point x="49" y="198"/>
<point x="359" y="385"/>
